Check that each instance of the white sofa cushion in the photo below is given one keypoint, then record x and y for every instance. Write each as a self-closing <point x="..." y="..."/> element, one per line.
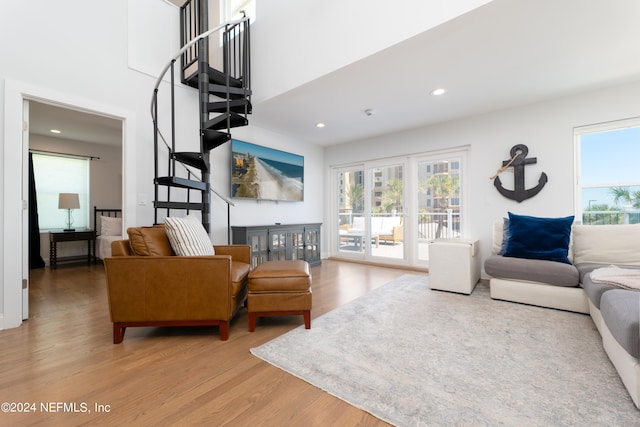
<point x="388" y="222"/>
<point x="357" y="225"/>
<point x="615" y="244"/>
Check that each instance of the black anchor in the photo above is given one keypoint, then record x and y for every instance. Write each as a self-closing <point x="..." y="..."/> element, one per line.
<point x="519" y="193"/>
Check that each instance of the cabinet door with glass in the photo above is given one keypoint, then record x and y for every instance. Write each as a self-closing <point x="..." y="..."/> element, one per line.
<point x="257" y="238"/>
<point x="312" y="244"/>
<point x="278" y="246"/>
<point x="296" y="238"/>
<point x="259" y="242"/>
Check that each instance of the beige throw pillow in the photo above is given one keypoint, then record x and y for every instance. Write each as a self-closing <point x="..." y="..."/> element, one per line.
<point x="188" y="237"/>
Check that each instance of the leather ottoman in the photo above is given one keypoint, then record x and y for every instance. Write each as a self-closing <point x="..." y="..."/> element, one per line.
<point x="279" y="288"/>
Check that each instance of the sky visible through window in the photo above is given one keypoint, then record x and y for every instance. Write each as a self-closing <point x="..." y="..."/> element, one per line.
<point x="609" y="159"/>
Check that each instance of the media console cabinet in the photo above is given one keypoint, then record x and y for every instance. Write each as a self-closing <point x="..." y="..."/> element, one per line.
<point x="280" y="242"/>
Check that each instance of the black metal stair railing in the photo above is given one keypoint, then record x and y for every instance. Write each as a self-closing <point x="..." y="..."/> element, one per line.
<point x="224" y="103"/>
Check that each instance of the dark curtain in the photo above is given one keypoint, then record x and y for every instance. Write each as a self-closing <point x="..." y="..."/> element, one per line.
<point x="35" y="260"/>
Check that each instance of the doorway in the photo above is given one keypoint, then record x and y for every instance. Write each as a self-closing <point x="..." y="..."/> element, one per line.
<point x="58" y="138"/>
<point x="15" y="243"/>
<point x="371" y="211"/>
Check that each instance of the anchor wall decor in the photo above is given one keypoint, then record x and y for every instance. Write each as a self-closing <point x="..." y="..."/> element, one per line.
<point x="518" y="161"/>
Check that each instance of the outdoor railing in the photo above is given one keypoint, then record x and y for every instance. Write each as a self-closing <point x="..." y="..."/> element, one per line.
<point x="436" y="225"/>
<point x="610" y="217"/>
<point x="431" y="225"/>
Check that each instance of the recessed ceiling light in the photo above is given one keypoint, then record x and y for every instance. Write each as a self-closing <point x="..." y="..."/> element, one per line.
<point x="54" y="131"/>
<point x="438" y="92"/>
<point x="320" y="125"/>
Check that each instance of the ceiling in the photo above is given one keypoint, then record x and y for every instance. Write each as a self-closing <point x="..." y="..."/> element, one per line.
<point x="500" y="55"/>
<point x="504" y="54"/>
<point x="73" y="124"/>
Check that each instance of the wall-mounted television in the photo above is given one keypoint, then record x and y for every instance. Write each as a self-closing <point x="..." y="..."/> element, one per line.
<point x="263" y="173"/>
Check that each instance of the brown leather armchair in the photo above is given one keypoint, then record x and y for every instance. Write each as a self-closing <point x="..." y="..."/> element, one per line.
<point x="149" y="286"/>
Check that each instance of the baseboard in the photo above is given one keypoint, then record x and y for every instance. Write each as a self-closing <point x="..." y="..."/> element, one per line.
<point x="379" y="264"/>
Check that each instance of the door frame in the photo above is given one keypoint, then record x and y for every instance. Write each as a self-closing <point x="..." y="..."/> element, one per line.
<point x="462" y="154"/>
<point x="25" y="211"/>
<point x="13" y="241"/>
<point x="407" y="188"/>
<point x="366" y="255"/>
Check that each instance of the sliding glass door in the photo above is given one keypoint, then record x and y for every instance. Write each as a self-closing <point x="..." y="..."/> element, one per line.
<point x="390" y="210"/>
<point x="370" y="201"/>
<point x="438" y="214"/>
<point x="351" y="214"/>
<point x="386" y="213"/>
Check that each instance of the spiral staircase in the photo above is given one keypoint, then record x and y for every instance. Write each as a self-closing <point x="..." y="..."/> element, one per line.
<point x="216" y="63"/>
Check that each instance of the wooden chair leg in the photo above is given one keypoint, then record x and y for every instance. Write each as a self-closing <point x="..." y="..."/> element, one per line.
<point x="118" y="333"/>
<point x="252" y="321"/>
<point x="224" y="330"/>
<point x="307" y="319"/>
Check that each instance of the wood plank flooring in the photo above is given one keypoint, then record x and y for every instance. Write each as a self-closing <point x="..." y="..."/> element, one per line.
<point x="63" y="365"/>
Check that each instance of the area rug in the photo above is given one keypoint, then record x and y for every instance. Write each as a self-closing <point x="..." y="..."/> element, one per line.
<point x="412" y="356"/>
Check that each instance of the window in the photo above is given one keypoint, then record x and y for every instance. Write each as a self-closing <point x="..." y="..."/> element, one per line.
<point x="231" y="9"/>
<point x="59" y="174"/>
<point x="608" y="182"/>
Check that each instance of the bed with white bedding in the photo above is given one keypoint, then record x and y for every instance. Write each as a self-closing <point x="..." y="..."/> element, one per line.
<point x="107" y="224"/>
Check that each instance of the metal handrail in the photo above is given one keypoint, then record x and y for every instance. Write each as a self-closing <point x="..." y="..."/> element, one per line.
<point x="184" y="49"/>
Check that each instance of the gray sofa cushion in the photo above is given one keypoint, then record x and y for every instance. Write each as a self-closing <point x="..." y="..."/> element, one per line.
<point x="620" y="311"/>
<point x="534" y="270"/>
<point x="588" y="267"/>
<point x="595" y="290"/>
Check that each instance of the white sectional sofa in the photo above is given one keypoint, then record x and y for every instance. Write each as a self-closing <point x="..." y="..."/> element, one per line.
<point x="614" y="307"/>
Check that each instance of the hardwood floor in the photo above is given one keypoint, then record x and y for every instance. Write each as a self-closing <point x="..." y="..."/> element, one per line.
<point x="63" y="359"/>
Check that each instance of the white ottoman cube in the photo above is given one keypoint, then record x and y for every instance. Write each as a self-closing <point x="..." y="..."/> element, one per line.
<point x="454" y="265"/>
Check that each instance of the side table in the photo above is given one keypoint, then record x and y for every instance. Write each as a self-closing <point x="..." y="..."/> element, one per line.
<point x="71" y="236"/>
<point x="454" y="265"/>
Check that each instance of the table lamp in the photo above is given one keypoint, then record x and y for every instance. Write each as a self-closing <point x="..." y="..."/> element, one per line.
<point x="69" y="201"/>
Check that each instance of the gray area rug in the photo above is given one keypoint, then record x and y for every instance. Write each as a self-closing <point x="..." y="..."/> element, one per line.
<point x="416" y="357"/>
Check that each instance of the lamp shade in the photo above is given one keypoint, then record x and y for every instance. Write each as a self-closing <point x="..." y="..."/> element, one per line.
<point x="68" y="201"/>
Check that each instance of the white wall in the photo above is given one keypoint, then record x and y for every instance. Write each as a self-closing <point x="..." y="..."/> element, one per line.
<point x="545" y="128"/>
<point x="330" y="34"/>
<point x="251" y="212"/>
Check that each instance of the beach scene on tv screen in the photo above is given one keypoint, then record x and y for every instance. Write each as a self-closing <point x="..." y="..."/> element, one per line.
<point x="264" y="173"/>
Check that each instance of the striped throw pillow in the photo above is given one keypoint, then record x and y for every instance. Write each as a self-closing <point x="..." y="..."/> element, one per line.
<point x="188" y="237"/>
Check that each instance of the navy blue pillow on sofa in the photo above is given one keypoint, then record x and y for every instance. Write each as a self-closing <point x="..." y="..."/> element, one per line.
<point x="539" y="238"/>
